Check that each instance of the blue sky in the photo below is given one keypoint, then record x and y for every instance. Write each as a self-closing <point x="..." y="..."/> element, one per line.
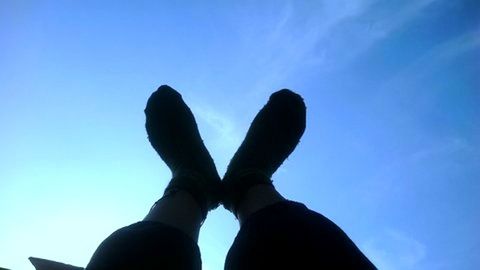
<point x="391" y="151"/>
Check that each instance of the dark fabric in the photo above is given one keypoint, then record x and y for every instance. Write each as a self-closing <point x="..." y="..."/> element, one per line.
<point x="147" y="245"/>
<point x="42" y="264"/>
<point x="288" y="235"/>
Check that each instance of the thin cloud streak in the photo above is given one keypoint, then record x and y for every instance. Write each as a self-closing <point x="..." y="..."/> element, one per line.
<point x="392" y="249"/>
<point x="295" y="42"/>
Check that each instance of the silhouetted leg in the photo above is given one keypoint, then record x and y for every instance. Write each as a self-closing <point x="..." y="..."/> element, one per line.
<point x="165" y="239"/>
<point x="276" y="233"/>
<point x="283" y="234"/>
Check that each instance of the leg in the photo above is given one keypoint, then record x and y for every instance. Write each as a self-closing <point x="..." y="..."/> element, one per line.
<point x="167" y="237"/>
<point x="178" y="210"/>
<point x="276" y="233"/>
<point x="284" y="233"/>
<point x="147" y="245"/>
<point x="257" y="197"/>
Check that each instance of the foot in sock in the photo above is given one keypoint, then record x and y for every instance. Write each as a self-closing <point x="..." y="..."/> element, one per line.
<point x="271" y="138"/>
<point x="173" y="133"/>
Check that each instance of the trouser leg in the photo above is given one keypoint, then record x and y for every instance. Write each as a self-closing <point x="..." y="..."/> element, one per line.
<point x="288" y="234"/>
<point x="147" y="245"/>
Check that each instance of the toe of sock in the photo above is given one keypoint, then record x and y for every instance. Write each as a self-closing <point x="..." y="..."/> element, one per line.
<point x="287" y="97"/>
<point x="164" y="96"/>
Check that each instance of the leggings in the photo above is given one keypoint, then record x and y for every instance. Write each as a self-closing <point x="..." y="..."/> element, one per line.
<point x="285" y="235"/>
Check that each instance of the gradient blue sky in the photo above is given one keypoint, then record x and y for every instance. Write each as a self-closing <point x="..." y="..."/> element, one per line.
<point x="392" y="147"/>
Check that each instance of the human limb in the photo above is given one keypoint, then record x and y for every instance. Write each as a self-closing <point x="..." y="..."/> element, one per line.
<point x="276" y="233"/>
<point x="179" y="210"/>
<point x="271" y="138"/>
<point x="287" y="234"/>
<point x="167" y="236"/>
<point x="165" y="239"/>
<point x="147" y="245"/>
<point x="257" y="198"/>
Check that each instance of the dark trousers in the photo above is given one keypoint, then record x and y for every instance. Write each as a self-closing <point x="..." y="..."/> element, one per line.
<point x="286" y="235"/>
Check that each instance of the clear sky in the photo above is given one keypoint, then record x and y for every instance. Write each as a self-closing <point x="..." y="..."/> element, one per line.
<point x="391" y="152"/>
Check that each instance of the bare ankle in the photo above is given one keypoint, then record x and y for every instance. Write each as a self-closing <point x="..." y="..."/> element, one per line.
<point x="257" y="198"/>
<point x="179" y="210"/>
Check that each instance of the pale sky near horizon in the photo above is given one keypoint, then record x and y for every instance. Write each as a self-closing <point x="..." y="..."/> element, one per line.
<point x="391" y="152"/>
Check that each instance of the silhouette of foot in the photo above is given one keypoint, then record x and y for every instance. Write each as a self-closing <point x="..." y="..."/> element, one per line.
<point x="173" y="133"/>
<point x="271" y="138"/>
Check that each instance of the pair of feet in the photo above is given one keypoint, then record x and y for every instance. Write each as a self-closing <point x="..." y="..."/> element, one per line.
<point x="173" y="133"/>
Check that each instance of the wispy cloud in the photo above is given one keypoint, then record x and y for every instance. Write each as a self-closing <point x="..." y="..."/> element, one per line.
<point x="392" y="249"/>
<point x="357" y="33"/>
<point x="395" y="18"/>
<point x="325" y="36"/>
<point x="287" y="38"/>
<point x="385" y="180"/>
<point x="437" y="57"/>
<point x="444" y="149"/>
<point x="223" y="127"/>
<point x="220" y="133"/>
